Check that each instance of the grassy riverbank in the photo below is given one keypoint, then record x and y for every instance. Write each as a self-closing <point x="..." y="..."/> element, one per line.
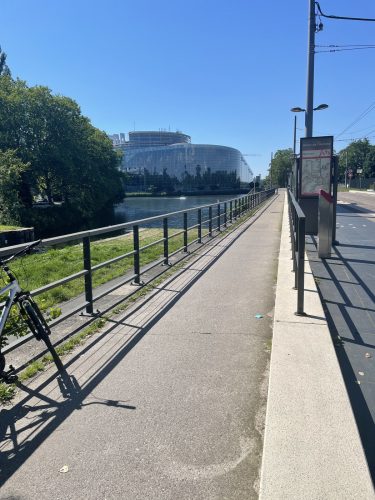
<point x="8" y="228"/>
<point x="37" y="270"/>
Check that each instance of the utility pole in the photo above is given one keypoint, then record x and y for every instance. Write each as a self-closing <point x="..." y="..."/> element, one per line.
<point x="310" y="71"/>
<point x="346" y="169"/>
<point x="271" y="183"/>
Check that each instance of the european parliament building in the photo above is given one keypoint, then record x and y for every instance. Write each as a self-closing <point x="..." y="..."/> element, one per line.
<point x="169" y="161"/>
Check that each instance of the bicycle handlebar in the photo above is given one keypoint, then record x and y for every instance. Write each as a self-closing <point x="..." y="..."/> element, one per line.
<point x="24" y="251"/>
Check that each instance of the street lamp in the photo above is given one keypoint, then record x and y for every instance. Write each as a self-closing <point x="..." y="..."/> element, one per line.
<point x="302" y="110"/>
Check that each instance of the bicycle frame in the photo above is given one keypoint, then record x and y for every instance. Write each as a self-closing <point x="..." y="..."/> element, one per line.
<point x="13" y="288"/>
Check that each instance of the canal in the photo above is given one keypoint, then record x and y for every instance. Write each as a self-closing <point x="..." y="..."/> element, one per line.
<point x="141" y="208"/>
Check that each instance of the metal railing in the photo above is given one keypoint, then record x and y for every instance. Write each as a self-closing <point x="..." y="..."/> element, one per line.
<point x="227" y="213"/>
<point x="297" y="231"/>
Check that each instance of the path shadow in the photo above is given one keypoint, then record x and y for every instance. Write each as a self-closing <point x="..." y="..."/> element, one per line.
<point x="352" y="207"/>
<point x="25" y="426"/>
<point x="337" y="303"/>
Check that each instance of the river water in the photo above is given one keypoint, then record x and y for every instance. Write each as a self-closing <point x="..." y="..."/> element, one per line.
<point x="141" y="208"/>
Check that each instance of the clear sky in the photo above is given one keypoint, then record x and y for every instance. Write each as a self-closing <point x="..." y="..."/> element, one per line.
<point x="223" y="72"/>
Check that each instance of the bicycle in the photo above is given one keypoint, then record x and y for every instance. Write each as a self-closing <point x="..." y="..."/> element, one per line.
<point x="29" y="309"/>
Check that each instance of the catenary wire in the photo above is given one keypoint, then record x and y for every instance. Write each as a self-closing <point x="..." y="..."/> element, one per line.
<point x="360" y="117"/>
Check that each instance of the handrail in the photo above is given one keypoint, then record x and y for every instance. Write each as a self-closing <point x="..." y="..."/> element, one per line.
<point x="108" y="229"/>
<point x="227" y="214"/>
<point x="296" y="206"/>
<point x="297" y="229"/>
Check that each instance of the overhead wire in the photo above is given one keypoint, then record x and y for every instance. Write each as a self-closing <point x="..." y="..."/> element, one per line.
<point x="349" y="45"/>
<point x="360" y="117"/>
<point x="342" y="17"/>
<point x="352" y="139"/>
<point x="342" y="50"/>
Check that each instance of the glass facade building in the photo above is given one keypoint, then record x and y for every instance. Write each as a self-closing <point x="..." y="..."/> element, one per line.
<point x="171" y="156"/>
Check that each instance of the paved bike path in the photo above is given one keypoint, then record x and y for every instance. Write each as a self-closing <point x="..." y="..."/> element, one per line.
<point x="168" y="401"/>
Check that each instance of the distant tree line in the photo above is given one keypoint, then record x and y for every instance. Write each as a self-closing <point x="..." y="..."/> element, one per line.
<point x="164" y="182"/>
<point x="358" y="154"/>
<point x="49" y="151"/>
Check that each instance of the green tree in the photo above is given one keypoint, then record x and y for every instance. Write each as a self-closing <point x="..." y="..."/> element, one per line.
<point x="11" y="171"/>
<point x="369" y="163"/>
<point x="359" y="154"/>
<point x="4" y="69"/>
<point x="281" y="164"/>
<point x="70" y="160"/>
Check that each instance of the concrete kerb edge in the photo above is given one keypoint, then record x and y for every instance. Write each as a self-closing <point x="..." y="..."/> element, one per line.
<point x="312" y="447"/>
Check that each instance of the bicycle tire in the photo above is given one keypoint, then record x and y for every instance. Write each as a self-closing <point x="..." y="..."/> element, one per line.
<point x="35" y="319"/>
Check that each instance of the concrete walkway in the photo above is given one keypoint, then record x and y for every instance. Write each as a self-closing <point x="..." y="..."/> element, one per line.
<point x="312" y="448"/>
<point x="168" y="402"/>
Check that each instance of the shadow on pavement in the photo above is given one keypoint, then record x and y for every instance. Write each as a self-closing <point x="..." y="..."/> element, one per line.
<point x="25" y="426"/>
<point x="348" y="324"/>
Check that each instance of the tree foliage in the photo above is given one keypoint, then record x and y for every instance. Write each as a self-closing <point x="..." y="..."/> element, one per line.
<point x="358" y="155"/>
<point x="281" y="164"/>
<point x="4" y="69"/>
<point x="11" y="171"/>
<point x="69" y="160"/>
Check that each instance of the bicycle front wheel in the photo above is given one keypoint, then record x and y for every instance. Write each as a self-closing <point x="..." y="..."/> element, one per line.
<point x="35" y="319"/>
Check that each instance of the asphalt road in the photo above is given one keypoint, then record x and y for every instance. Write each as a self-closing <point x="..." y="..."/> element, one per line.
<point x="346" y="283"/>
<point x="357" y="200"/>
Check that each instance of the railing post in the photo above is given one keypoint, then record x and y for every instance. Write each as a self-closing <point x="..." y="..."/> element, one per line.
<point x="165" y="236"/>
<point x="231" y="211"/>
<point x="301" y="266"/>
<point x="199" y="225"/>
<point x="297" y="242"/>
<point x="292" y="236"/>
<point x="137" y="267"/>
<point x="209" y="221"/>
<point x="88" y="276"/>
<point x="235" y="209"/>
<point x="185" y="232"/>
<point x="218" y="218"/>
<point x="225" y="214"/>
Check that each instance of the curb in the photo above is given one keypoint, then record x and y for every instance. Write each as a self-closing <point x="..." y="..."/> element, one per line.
<point x="312" y="448"/>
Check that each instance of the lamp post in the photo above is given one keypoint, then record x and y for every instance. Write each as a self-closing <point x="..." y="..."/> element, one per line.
<point x="300" y="110"/>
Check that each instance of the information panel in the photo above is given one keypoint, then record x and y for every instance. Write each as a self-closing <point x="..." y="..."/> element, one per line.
<point x="316" y="160"/>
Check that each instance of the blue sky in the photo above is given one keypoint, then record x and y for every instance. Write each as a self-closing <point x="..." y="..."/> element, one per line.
<point x="223" y="72"/>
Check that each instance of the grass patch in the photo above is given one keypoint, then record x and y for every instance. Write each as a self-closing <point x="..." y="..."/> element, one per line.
<point x="31" y="370"/>
<point x="37" y="270"/>
<point x="7" y="392"/>
<point x="8" y="228"/>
